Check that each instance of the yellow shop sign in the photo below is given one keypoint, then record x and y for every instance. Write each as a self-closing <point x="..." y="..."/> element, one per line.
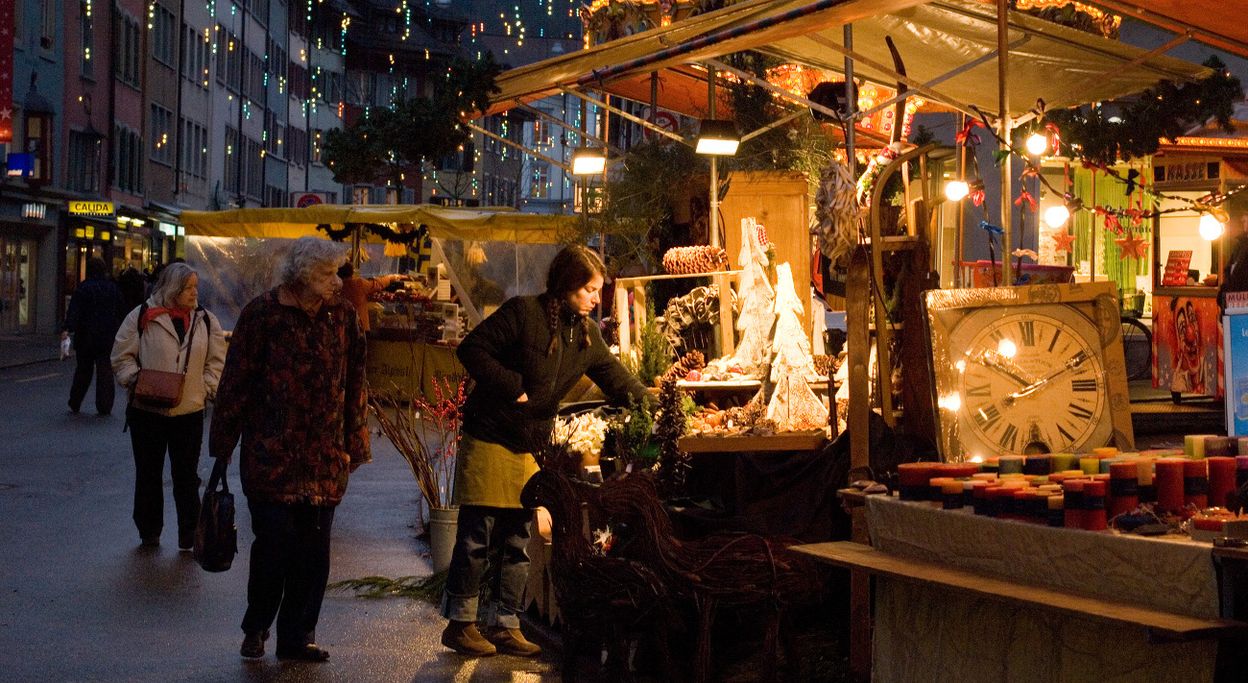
<point x="91" y="209"/>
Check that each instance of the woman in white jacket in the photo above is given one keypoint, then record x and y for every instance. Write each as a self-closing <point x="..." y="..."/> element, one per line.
<point x="170" y="329"/>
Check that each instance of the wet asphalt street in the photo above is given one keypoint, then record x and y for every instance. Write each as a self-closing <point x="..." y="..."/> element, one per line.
<point x="81" y="601"/>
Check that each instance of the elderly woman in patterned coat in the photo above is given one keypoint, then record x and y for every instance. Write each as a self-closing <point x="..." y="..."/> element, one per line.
<point x="293" y="389"/>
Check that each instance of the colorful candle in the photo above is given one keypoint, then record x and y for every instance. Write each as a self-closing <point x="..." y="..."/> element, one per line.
<point x="1221" y="480"/>
<point x="1073" y="517"/>
<point x="1196" y="484"/>
<point x="1090" y="464"/>
<point x="1037" y="465"/>
<point x="1194" y="445"/>
<point x="1061" y="461"/>
<point x="1057" y="513"/>
<point x="1168" y="479"/>
<point x="1218" y="446"/>
<point x="913" y="478"/>
<point x="1105" y="452"/>
<point x="1094" y="506"/>
<point x="1010" y="464"/>
<point x="1144" y="474"/>
<point x="951" y="494"/>
<point x="1124" y="493"/>
<point x="1241" y="446"/>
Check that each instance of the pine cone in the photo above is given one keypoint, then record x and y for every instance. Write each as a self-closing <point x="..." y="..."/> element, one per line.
<point x="692" y="260"/>
<point x="694" y="360"/>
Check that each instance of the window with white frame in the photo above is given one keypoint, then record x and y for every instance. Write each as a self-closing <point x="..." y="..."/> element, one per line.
<point x="194" y="149"/>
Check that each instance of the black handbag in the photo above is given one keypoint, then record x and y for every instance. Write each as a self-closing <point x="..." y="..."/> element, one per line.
<point x="216" y="537"/>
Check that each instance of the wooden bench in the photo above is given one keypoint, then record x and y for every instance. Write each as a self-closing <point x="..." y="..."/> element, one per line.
<point x="1160" y="625"/>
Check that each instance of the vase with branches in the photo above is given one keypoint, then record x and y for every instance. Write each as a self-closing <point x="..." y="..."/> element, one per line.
<point x="426" y="431"/>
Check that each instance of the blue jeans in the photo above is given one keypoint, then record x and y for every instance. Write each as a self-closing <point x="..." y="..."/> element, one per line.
<point x="484" y="537"/>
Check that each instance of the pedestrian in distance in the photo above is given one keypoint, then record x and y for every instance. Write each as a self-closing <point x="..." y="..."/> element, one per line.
<point x="169" y="332"/>
<point x="293" y="390"/>
<point x="95" y="311"/>
<point x="524" y="358"/>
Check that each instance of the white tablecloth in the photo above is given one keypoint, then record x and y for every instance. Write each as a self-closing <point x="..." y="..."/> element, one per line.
<point x="924" y="634"/>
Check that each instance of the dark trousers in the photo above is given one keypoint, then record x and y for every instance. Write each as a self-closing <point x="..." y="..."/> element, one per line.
<point x="152" y="435"/>
<point x="98" y="364"/>
<point x="484" y="537"/>
<point x="289" y="568"/>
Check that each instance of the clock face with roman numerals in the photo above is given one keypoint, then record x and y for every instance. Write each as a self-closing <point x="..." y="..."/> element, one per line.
<point x="1030" y="379"/>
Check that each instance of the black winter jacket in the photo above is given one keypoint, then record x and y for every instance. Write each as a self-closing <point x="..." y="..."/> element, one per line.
<point x="506" y="356"/>
<point x="95" y="312"/>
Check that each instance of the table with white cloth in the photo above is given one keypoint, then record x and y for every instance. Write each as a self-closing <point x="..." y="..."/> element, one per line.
<point x="921" y="634"/>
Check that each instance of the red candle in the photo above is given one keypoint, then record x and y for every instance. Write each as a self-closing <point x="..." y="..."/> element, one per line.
<point x="1221" y="480"/>
<point x="1196" y="483"/>
<point x="1073" y="489"/>
<point x="1094" y="506"/>
<point x="1168" y="478"/>
<point x="1124" y="487"/>
<point x="912" y="479"/>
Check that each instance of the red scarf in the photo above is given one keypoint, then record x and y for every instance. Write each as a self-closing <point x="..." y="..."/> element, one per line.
<point x="176" y="313"/>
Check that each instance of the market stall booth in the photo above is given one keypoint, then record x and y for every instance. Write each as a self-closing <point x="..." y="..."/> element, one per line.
<point x="459" y="265"/>
<point x="1058" y="65"/>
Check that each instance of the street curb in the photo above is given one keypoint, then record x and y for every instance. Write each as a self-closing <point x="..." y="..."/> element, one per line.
<point x="22" y="364"/>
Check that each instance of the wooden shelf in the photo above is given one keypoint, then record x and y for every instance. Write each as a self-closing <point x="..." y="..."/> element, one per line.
<point x="1165" y="625"/>
<point x="631" y="281"/>
<point x="721" y="385"/>
<point x="789" y="441"/>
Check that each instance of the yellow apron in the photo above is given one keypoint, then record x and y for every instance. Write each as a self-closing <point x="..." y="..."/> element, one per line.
<point x="489" y="474"/>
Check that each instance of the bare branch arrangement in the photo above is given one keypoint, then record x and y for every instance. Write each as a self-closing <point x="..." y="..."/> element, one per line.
<point x="426" y="433"/>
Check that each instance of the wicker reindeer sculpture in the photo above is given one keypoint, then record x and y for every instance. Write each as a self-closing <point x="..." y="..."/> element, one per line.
<point x="604" y="600"/>
<point x="748" y="570"/>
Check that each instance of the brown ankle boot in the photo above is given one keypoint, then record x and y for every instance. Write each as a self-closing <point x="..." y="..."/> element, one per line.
<point x="510" y="641"/>
<point x="464" y="638"/>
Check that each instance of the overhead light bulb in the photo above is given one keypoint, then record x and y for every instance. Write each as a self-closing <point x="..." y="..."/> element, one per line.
<point x="1056" y="216"/>
<point x="1210" y="227"/>
<point x="1037" y="144"/>
<point x="956" y="190"/>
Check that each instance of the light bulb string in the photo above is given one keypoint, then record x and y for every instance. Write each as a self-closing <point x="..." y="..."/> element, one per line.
<point x="1135" y="215"/>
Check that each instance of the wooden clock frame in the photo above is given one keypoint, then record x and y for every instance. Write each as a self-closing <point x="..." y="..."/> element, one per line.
<point x="1096" y="302"/>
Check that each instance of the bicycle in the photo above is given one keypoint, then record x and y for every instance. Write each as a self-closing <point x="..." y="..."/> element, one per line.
<point x="1137" y="344"/>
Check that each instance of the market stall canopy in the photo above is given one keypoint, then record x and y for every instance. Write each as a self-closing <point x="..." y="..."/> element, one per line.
<point x="949" y="46"/>
<point x="1218" y="23"/>
<point x="486" y="224"/>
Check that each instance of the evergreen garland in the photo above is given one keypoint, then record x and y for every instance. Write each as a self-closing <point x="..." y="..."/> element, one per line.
<point x="1105" y="133"/>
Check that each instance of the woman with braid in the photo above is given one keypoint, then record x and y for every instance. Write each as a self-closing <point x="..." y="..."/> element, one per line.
<point x="524" y="358"/>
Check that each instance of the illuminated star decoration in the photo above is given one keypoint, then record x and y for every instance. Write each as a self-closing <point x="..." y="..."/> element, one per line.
<point x="1132" y="247"/>
<point x="1065" y="241"/>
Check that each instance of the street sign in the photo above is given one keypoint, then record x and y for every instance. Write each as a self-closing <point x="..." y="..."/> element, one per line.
<point x="301" y="200"/>
<point x="80" y="208"/>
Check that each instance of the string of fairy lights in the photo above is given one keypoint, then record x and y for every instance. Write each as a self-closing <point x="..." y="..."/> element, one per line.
<point x="1126" y="222"/>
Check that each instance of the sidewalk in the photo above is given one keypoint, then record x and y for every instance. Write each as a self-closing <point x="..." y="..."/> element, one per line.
<point x="24" y="349"/>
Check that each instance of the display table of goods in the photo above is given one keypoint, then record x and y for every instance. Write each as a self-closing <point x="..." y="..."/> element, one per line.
<point x="412" y="340"/>
<point x="1074" y="523"/>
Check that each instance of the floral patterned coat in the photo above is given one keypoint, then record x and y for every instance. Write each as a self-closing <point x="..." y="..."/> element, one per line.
<point x="293" y="388"/>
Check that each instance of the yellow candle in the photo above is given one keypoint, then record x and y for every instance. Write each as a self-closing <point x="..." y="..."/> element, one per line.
<point x="1105" y="452"/>
<point x="1090" y="464"/>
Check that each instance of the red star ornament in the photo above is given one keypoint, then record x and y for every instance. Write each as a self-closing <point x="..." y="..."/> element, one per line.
<point x="1065" y="241"/>
<point x="1132" y="247"/>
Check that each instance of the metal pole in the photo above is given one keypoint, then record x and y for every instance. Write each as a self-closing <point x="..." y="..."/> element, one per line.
<point x="713" y="220"/>
<point x="960" y="239"/>
<point x="851" y="101"/>
<point x="1003" y="109"/>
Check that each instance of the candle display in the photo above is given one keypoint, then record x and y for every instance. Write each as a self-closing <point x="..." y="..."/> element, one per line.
<point x="1090" y="464"/>
<point x="1123" y="487"/>
<point x="1094" y="518"/>
<point x="1010" y="464"/>
<point x="1218" y="446"/>
<point x="1073" y="517"/>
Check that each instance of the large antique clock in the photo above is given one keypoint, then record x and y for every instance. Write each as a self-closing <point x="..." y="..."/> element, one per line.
<point x="1035" y="369"/>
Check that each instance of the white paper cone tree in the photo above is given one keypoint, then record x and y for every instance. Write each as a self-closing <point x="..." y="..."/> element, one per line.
<point x="756" y="299"/>
<point x="793" y="406"/>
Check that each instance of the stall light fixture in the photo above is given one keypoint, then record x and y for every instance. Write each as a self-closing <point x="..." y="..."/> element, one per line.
<point x="588" y="161"/>
<point x="1056" y="216"/>
<point x="718" y="137"/>
<point x="1210" y="227"/>
<point x="956" y="190"/>
<point x="1037" y="144"/>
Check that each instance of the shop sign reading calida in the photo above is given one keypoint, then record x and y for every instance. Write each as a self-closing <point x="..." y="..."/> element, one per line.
<point x="84" y="208"/>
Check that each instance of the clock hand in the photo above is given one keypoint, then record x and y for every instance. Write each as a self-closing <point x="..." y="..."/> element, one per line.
<point x="1072" y="363"/>
<point x="995" y="361"/>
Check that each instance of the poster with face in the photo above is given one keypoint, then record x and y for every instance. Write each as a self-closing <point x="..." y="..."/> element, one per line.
<point x="1188" y="338"/>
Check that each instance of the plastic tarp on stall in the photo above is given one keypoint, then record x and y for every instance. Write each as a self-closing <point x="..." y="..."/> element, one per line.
<point x="494" y="254"/>
<point x="949" y="46"/>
